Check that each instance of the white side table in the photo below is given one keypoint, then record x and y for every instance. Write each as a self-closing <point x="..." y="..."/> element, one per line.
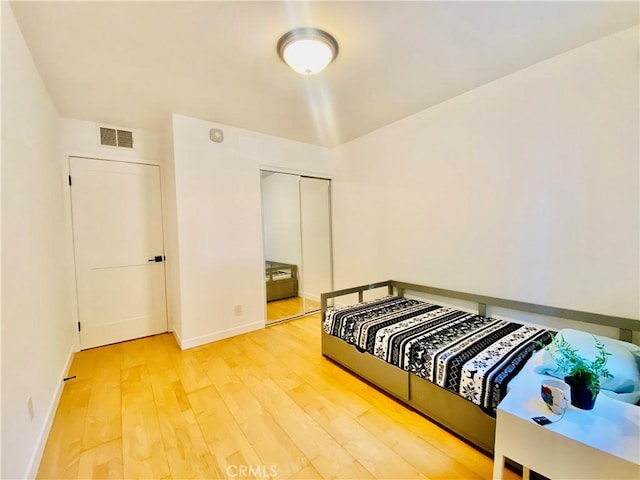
<point x="603" y="443"/>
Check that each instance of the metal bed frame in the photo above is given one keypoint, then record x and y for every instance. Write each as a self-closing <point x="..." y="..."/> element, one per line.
<point x="280" y="288"/>
<point x="444" y="407"/>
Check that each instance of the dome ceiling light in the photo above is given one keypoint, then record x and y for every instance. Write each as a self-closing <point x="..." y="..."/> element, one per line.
<point x="307" y="50"/>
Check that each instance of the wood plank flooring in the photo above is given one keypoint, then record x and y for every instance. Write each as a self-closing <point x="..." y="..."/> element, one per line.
<point x="289" y="307"/>
<point x="262" y="405"/>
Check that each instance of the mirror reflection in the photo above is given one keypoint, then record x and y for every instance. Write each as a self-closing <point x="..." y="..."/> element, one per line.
<point x="316" y="240"/>
<point x="297" y="243"/>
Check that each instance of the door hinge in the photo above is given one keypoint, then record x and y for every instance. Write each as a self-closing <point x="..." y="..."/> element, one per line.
<point x="69" y="180"/>
<point x="79" y="329"/>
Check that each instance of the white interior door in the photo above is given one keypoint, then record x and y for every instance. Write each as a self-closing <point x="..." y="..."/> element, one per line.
<point x="117" y="229"/>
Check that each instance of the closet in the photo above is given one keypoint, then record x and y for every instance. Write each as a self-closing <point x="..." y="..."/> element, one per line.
<point x="296" y="221"/>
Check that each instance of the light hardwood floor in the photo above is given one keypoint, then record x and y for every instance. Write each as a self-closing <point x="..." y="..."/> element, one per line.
<point x="261" y="404"/>
<point x="289" y="307"/>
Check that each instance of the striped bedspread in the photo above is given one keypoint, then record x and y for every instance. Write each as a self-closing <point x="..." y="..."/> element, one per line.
<point x="470" y="355"/>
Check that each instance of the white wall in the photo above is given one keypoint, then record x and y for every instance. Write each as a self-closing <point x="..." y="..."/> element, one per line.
<point x="526" y="188"/>
<point x="172" y="263"/>
<point x="37" y="335"/>
<point x="80" y="138"/>
<point x="219" y="225"/>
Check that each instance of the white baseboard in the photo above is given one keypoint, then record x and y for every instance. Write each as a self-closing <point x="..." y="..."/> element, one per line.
<point x="311" y="296"/>
<point x="212" y="337"/>
<point x="36" y="456"/>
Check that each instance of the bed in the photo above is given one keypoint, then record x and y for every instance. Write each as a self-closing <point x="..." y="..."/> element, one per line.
<point x="453" y="366"/>
<point x="281" y="280"/>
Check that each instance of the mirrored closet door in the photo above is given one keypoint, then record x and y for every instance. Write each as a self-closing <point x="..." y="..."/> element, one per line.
<point x="297" y="243"/>
<point x="315" y="226"/>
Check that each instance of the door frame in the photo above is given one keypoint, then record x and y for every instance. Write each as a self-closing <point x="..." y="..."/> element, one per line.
<point x="70" y="243"/>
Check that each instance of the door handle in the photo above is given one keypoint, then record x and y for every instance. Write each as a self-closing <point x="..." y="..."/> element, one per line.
<point x="157" y="258"/>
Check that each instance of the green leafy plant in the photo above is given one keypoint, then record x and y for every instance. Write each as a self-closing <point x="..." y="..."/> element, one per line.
<point x="584" y="371"/>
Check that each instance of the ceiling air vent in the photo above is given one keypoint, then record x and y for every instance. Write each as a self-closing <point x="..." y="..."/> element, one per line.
<point x="116" y="138"/>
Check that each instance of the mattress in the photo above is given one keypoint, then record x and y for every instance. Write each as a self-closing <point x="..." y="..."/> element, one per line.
<point x="279" y="274"/>
<point x="468" y="354"/>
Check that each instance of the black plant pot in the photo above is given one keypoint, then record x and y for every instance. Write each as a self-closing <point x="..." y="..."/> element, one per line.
<point x="580" y="394"/>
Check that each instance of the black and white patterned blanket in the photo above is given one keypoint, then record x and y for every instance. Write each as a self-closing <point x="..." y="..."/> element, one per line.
<point x="470" y="355"/>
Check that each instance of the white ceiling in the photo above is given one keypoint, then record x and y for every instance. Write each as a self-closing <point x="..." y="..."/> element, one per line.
<point x="131" y="64"/>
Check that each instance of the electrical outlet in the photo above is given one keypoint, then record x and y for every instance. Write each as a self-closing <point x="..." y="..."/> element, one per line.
<point x="30" y="408"/>
<point x="237" y="310"/>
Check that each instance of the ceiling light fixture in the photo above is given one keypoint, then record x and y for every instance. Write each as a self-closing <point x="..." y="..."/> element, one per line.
<point x="307" y="50"/>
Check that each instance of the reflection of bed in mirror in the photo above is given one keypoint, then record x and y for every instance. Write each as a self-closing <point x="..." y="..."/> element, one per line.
<point x="281" y="280"/>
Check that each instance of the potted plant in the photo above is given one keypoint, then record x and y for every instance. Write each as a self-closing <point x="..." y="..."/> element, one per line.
<point x="582" y="375"/>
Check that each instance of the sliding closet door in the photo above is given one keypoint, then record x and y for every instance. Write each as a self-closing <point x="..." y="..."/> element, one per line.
<point x="282" y="247"/>
<point x="315" y="222"/>
<point x="297" y="243"/>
